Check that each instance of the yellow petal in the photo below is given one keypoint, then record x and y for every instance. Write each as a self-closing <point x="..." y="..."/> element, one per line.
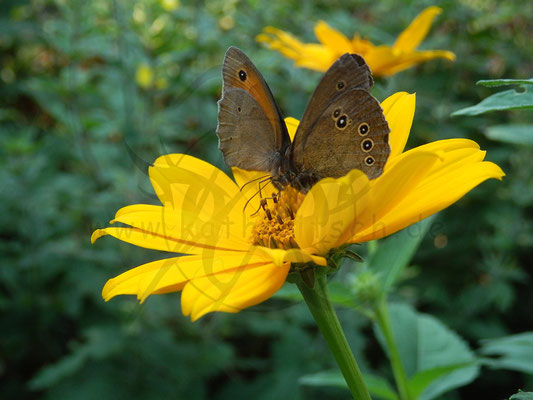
<point x="282" y="38"/>
<point x="154" y="241"/>
<point x="280" y="257"/>
<point x="329" y="207"/>
<point x="361" y="46"/>
<point x="403" y="61"/>
<point x="316" y="57"/>
<point x="185" y="182"/>
<point x="447" y="183"/>
<point x="153" y="277"/>
<point x="233" y="290"/>
<point x="333" y="39"/>
<point x="171" y="274"/>
<point x="180" y="231"/>
<point x="282" y="41"/>
<point x="292" y="125"/>
<point x="398" y="182"/>
<point x="439" y="146"/>
<point x="389" y="189"/>
<point x="413" y="35"/>
<point x="456" y="159"/>
<point x="399" y="110"/>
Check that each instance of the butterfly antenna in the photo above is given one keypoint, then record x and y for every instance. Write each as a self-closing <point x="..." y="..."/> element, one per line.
<point x="263" y="201"/>
<point x="250" y="199"/>
<point x="268" y="180"/>
<point x="253" y="180"/>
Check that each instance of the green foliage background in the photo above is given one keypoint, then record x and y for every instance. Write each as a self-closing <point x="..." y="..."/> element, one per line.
<point x="77" y="132"/>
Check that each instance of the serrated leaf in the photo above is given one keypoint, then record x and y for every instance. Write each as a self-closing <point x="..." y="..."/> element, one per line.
<point x="513" y="352"/>
<point x="395" y="252"/>
<point x="516" y="134"/>
<point x="377" y="386"/>
<point x="507" y="100"/>
<point x="425" y="344"/>
<point x="503" y="82"/>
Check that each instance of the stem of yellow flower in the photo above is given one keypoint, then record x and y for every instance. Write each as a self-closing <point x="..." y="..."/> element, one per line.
<point x="383" y="320"/>
<point x="317" y="299"/>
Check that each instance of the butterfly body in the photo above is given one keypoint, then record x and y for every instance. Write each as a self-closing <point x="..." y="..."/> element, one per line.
<point x="343" y="127"/>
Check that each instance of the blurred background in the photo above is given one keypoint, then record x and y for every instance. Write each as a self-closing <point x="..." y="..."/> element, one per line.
<point x="92" y="91"/>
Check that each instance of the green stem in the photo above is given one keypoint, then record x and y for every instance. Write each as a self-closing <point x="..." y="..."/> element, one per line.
<point x="382" y="318"/>
<point x="317" y="299"/>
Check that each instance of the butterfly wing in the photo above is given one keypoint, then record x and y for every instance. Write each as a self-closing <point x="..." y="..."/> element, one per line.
<point x="351" y="133"/>
<point x="251" y="131"/>
<point x="343" y="127"/>
<point x="348" y="72"/>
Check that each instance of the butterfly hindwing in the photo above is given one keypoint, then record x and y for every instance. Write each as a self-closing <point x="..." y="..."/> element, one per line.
<point x="351" y="133"/>
<point x="348" y="72"/>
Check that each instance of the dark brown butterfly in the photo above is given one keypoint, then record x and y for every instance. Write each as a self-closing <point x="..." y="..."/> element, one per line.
<point x="343" y="127"/>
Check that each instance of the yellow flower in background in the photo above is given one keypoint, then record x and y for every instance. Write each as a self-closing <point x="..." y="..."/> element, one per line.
<point x="236" y="257"/>
<point x="170" y="5"/>
<point x="227" y="22"/>
<point x="383" y="60"/>
<point x="144" y="76"/>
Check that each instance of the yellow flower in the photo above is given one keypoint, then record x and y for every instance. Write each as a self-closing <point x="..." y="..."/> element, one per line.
<point x="227" y="22"/>
<point x="169" y="5"/>
<point x="382" y="60"/>
<point x="237" y="258"/>
<point x="144" y="76"/>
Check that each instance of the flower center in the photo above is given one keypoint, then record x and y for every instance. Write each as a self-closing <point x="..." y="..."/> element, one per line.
<point x="275" y="224"/>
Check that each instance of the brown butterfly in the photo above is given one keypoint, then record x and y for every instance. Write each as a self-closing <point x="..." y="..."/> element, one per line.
<point x="343" y="127"/>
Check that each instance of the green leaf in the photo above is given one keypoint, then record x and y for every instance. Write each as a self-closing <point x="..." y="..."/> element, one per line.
<point x="504" y="82"/>
<point x="513" y="352"/>
<point x="507" y="100"/>
<point x="324" y="378"/>
<point x="380" y="387"/>
<point x="522" y="396"/>
<point x="377" y="386"/>
<point x="395" y="252"/>
<point x="421" y="380"/>
<point x="435" y="358"/>
<point x="516" y="134"/>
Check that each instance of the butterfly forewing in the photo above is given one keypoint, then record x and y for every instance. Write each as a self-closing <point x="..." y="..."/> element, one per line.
<point x="351" y="133"/>
<point x="252" y="133"/>
<point x="245" y="135"/>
